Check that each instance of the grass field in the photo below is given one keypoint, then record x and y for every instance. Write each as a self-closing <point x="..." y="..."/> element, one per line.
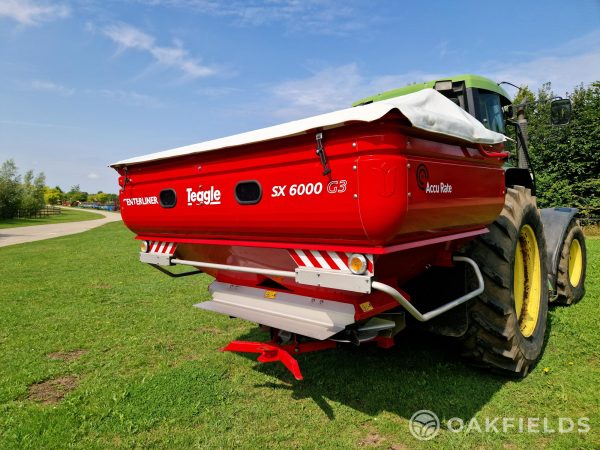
<point x="100" y="351"/>
<point x="67" y="215"/>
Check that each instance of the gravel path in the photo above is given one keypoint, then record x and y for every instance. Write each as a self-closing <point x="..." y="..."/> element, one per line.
<point x="11" y="236"/>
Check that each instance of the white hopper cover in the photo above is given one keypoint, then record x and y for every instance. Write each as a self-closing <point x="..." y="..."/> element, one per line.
<point x="426" y="110"/>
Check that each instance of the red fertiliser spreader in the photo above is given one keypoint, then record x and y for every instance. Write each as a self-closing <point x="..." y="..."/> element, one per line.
<point x="348" y="227"/>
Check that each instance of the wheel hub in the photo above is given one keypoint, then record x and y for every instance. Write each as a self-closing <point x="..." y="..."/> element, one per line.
<point x="575" y="263"/>
<point x="527" y="281"/>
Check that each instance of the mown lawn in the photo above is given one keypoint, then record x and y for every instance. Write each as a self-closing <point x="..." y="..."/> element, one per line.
<point x="66" y="215"/>
<point x="138" y="366"/>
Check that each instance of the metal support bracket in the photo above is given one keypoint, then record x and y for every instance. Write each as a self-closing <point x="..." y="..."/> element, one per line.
<point x="273" y="352"/>
<point x="321" y="154"/>
<point x="126" y="179"/>
<point x="257" y="270"/>
<point x="176" y="275"/>
<point x="442" y="309"/>
<point x="334" y="279"/>
<point x="158" y="259"/>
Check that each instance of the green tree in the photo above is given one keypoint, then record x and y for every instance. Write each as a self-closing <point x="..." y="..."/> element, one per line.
<point x="10" y="189"/>
<point x="28" y="198"/>
<point x="566" y="158"/>
<point x="39" y="187"/>
<point x="53" y="196"/>
<point x="75" y="194"/>
<point x="33" y="191"/>
<point x="102" y="197"/>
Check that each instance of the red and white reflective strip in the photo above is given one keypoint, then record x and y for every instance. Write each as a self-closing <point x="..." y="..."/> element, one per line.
<point x="164" y="248"/>
<point x="320" y="259"/>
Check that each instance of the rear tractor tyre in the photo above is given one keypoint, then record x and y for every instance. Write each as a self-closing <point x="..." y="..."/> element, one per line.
<point x="507" y="322"/>
<point x="570" y="277"/>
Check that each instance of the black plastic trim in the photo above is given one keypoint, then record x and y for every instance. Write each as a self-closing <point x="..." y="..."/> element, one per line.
<point x="165" y="204"/>
<point x="252" y="201"/>
<point x="515" y="176"/>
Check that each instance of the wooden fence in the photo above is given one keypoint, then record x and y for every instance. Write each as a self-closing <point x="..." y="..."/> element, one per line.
<point x="33" y="213"/>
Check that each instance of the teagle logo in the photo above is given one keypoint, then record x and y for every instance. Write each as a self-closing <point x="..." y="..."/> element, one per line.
<point x="424" y="184"/>
<point x="210" y="196"/>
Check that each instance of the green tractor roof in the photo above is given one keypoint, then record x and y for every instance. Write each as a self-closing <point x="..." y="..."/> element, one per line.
<point x="471" y="81"/>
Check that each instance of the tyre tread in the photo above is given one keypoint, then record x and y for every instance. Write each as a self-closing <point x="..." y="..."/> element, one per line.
<point x="493" y="339"/>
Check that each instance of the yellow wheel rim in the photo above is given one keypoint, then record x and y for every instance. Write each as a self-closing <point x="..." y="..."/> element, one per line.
<point x="575" y="262"/>
<point x="527" y="281"/>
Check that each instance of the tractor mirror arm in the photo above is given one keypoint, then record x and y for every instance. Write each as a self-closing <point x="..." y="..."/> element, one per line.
<point x="524" y="103"/>
<point x="535" y="102"/>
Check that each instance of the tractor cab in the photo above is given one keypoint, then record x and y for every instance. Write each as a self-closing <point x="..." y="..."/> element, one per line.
<point x="479" y="96"/>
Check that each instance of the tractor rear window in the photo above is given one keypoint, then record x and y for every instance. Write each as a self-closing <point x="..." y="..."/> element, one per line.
<point x="490" y="111"/>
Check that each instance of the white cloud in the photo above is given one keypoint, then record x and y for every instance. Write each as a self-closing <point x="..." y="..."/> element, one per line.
<point x="27" y="12"/>
<point x="50" y="87"/>
<point x="324" y="90"/>
<point x="218" y="91"/>
<point x="130" y="98"/>
<point x="334" y="88"/>
<point x="23" y="123"/>
<point x="305" y="16"/>
<point x="575" y="62"/>
<point x="129" y="37"/>
<point x="563" y="72"/>
<point x="93" y="176"/>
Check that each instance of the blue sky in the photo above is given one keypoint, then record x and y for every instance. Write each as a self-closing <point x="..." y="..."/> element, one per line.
<point x="84" y="83"/>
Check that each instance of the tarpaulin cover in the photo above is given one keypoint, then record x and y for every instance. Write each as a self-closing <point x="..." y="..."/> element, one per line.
<point x="426" y="110"/>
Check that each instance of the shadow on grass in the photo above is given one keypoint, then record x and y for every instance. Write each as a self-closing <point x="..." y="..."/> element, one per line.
<point x="423" y="371"/>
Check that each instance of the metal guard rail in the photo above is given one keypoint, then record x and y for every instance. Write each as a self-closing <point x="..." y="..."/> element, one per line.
<point x="394" y="293"/>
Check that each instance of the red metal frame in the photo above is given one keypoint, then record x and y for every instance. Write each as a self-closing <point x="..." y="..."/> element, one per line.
<point x="272" y="351"/>
<point x="325" y="247"/>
